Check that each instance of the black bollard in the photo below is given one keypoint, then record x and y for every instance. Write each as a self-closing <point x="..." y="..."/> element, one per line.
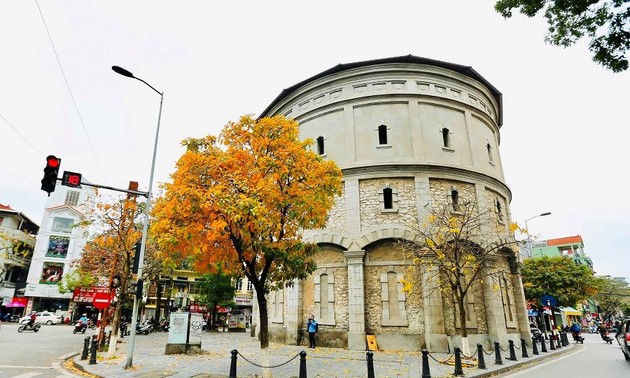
<point x="93" y="351"/>
<point x="370" y="364"/>
<point x="552" y="342"/>
<point x="425" y="364"/>
<point x="512" y="351"/>
<point x="481" y="363"/>
<point x="543" y="345"/>
<point x="534" y="346"/>
<point x="558" y="338"/>
<point x="566" y="339"/>
<point x="524" y="348"/>
<point x="303" y="364"/>
<point x="86" y="348"/>
<point x="459" y="371"/>
<point x="234" y="352"/>
<point x="497" y="354"/>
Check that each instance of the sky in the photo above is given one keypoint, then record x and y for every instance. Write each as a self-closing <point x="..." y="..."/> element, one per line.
<point x="563" y="146"/>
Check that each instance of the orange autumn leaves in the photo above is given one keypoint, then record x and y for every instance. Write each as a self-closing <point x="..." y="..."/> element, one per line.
<point x="242" y="200"/>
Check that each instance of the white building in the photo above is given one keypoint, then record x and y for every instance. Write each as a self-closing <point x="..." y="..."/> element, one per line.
<point x="60" y="241"/>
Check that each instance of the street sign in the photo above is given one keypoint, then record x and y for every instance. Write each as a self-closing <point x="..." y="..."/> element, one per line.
<point x="101" y="300"/>
<point x="548" y="300"/>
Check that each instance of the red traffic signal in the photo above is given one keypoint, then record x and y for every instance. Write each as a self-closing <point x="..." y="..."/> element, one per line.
<point x="50" y="174"/>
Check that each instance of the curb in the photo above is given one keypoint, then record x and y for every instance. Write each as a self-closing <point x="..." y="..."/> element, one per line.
<point x="71" y="360"/>
<point x="523" y="364"/>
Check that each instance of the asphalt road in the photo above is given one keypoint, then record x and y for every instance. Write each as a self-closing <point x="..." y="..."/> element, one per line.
<point x="37" y="354"/>
<point x="594" y="358"/>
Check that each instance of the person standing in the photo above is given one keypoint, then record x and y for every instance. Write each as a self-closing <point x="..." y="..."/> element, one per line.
<point x="311" y="326"/>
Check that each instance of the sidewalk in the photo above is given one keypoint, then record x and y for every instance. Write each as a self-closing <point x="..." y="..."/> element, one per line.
<point x="149" y="360"/>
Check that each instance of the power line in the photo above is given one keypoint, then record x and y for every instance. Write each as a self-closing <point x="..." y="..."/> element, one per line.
<point x="20" y="134"/>
<point x="68" y="86"/>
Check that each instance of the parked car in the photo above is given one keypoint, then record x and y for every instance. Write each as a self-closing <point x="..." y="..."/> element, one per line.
<point x="43" y="317"/>
<point x="623" y="338"/>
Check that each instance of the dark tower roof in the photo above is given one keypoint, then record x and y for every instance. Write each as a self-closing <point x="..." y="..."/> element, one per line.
<point x="464" y="70"/>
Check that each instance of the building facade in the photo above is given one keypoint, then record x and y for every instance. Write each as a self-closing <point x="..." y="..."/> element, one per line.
<point x="410" y="134"/>
<point x="569" y="246"/>
<point x="17" y="241"/>
<point x="60" y="241"/>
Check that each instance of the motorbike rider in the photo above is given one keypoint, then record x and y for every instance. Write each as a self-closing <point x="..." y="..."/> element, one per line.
<point x="84" y="321"/>
<point x="32" y="319"/>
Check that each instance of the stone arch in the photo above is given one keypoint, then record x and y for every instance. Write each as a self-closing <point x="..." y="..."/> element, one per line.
<point x="386" y="231"/>
<point x="330" y="237"/>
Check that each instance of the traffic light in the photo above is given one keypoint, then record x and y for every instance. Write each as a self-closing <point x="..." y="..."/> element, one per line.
<point x="135" y="287"/>
<point x="50" y="174"/>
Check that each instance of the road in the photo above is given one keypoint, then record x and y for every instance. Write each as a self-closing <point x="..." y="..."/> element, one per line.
<point x="593" y="359"/>
<point x="40" y="355"/>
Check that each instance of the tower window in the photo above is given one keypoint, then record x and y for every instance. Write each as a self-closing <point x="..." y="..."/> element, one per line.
<point x="388" y="198"/>
<point x="382" y="134"/>
<point x="489" y="148"/>
<point x="320" y="145"/>
<point x="446" y="137"/>
<point x="455" y="199"/>
<point x="499" y="210"/>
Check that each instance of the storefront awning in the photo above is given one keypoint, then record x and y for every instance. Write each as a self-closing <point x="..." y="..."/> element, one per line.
<point x="17" y="302"/>
<point x="571" y="311"/>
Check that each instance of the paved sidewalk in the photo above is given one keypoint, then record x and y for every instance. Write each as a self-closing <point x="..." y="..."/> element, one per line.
<point x="149" y="360"/>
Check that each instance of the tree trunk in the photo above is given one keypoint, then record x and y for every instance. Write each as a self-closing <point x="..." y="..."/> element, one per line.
<point x="264" y="329"/>
<point x="462" y="323"/>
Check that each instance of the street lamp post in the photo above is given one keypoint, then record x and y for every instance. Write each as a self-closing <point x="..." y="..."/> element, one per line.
<point x="145" y="227"/>
<point x="529" y="239"/>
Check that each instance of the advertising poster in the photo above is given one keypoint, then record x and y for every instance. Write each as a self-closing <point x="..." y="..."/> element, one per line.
<point x="58" y="246"/>
<point x="51" y="273"/>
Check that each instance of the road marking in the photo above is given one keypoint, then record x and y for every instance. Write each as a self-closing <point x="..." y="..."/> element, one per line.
<point x="24" y="367"/>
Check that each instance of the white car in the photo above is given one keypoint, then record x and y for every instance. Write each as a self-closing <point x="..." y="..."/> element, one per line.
<point x="43" y="317"/>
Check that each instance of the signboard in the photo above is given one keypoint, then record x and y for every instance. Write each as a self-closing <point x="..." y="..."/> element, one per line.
<point x="101" y="300"/>
<point x="178" y="331"/>
<point x="87" y="295"/>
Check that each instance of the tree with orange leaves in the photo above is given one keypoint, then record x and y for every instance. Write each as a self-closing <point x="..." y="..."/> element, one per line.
<point x="111" y="252"/>
<point x="242" y="200"/>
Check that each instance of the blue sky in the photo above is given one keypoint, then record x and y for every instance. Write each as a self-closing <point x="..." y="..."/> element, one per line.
<point x="563" y="142"/>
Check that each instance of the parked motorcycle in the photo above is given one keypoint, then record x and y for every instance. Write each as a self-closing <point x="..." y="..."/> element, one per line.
<point x="144" y="328"/>
<point x="164" y="326"/>
<point x="26" y="327"/>
<point x="79" y="327"/>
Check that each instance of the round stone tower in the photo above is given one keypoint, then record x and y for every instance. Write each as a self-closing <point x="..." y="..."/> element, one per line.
<point x="409" y="133"/>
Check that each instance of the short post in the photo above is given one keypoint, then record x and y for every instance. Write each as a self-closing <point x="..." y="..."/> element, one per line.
<point x="86" y="348"/>
<point x="459" y="371"/>
<point x="534" y="346"/>
<point x="565" y="339"/>
<point x="481" y="363"/>
<point x="558" y="338"/>
<point x="425" y="364"/>
<point x="512" y="351"/>
<point x="497" y="354"/>
<point x="302" y="364"/>
<point x="552" y="341"/>
<point x="93" y="351"/>
<point x="524" y="348"/>
<point x="370" y="364"/>
<point x="234" y="352"/>
<point x="543" y="345"/>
